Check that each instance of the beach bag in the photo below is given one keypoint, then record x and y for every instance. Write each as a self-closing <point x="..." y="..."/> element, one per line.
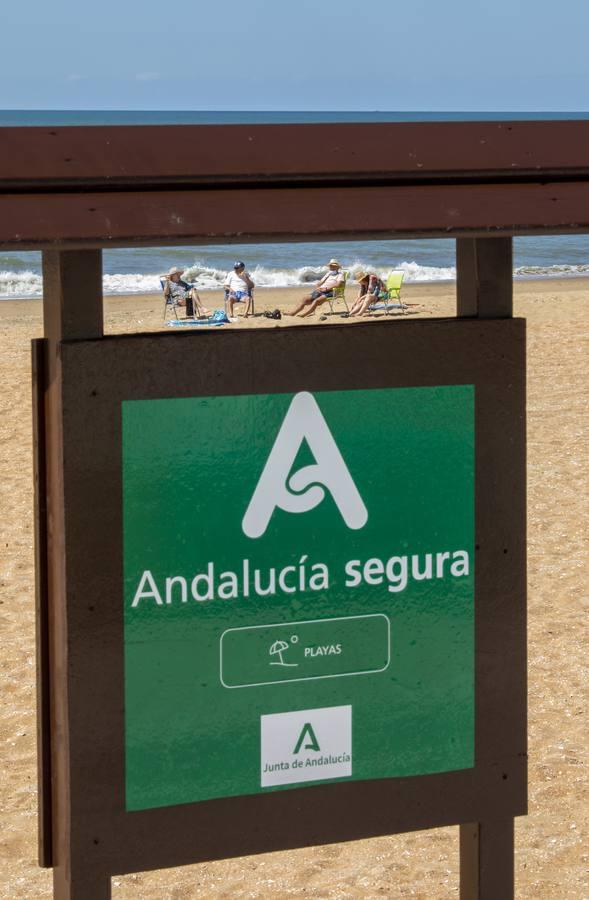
<point x="219" y="315"/>
<point x="275" y="314"/>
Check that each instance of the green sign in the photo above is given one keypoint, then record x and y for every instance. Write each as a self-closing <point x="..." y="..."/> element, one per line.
<point x="299" y="590"/>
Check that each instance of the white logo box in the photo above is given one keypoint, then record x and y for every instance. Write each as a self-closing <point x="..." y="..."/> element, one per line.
<point x="330" y="729"/>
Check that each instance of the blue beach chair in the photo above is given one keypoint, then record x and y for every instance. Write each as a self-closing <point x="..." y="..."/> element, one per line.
<point x="252" y="311"/>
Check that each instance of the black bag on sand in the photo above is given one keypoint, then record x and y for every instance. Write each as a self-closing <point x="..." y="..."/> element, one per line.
<point x="275" y="314"/>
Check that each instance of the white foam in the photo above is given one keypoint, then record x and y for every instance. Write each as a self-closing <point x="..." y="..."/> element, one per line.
<point x="131" y="284"/>
<point x="556" y="271"/>
<point x="414" y="272"/>
<point x="20" y="284"/>
<point x="30" y="284"/>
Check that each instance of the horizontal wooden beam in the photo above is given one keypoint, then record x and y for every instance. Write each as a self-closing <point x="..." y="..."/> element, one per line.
<point x="114" y="156"/>
<point x="86" y="220"/>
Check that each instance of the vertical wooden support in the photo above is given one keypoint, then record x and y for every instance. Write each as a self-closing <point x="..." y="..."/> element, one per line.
<point x="72" y="295"/>
<point x="72" y="308"/>
<point x="80" y="882"/>
<point x="484" y="277"/>
<point x="484" y="287"/>
<point x="486" y="860"/>
<point x="41" y="607"/>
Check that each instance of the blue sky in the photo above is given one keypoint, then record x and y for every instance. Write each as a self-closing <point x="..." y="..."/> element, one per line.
<point x="298" y="55"/>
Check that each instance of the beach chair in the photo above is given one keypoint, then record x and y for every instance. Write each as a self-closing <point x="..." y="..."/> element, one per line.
<point x="393" y="298"/>
<point x="252" y="311"/>
<point x="339" y="293"/>
<point x="170" y="302"/>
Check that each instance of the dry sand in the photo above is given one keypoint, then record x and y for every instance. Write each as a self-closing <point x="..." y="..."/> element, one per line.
<point x="552" y="855"/>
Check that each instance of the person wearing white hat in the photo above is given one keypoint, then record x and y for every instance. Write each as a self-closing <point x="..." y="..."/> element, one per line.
<point x="183" y="294"/>
<point x="323" y="291"/>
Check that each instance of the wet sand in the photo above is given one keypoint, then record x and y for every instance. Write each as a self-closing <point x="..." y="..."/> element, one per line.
<point x="552" y="859"/>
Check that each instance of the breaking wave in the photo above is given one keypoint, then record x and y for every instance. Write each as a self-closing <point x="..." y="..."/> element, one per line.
<point x="26" y="283"/>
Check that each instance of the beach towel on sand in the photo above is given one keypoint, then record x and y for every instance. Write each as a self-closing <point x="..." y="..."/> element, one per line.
<point x="219" y="317"/>
<point x="387" y="305"/>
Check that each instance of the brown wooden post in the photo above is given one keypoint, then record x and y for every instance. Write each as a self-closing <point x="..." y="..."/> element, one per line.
<point x="484" y="288"/>
<point x="72" y="294"/>
<point x="45" y="854"/>
<point x="72" y="309"/>
<point x="486" y="860"/>
<point x="484" y="277"/>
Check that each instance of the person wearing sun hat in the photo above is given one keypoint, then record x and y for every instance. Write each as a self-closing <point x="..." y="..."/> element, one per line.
<point x="371" y="289"/>
<point x="239" y="287"/>
<point x="183" y="294"/>
<point x="323" y="291"/>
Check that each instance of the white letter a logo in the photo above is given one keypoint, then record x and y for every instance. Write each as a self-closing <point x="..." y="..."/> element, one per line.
<point x="303" y="421"/>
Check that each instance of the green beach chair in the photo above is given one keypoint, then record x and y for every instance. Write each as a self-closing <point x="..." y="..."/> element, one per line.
<point x="393" y="298"/>
<point x="339" y="293"/>
<point x="394" y="282"/>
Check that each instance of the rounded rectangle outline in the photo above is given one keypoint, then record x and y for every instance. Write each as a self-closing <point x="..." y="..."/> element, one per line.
<point x="309" y="677"/>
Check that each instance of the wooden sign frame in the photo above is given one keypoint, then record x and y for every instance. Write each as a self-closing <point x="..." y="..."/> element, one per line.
<point x="73" y="191"/>
<point x="95" y="836"/>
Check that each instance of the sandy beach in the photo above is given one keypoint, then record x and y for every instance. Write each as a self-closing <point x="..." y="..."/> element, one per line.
<point x="552" y="856"/>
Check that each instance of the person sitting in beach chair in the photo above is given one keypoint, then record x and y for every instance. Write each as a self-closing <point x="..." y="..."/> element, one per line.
<point x="323" y="291"/>
<point x="371" y="290"/>
<point x="180" y="293"/>
<point x="239" y="289"/>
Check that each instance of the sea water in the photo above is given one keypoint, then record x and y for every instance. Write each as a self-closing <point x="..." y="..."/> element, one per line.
<point x="137" y="270"/>
<point x="71" y="117"/>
